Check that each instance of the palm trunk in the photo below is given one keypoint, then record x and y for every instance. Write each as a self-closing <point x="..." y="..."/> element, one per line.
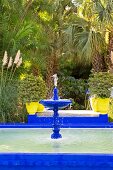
<point x="110" y="49"/>
<point x="52" y="63"/>
<point x="98" y="63"/>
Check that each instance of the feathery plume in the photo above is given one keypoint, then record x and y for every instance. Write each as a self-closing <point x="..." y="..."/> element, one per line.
<point x="17" y="57"/>
<point x="10" y="62"/>
<point x="5" y="59"/>
<point x="19" y="62"/>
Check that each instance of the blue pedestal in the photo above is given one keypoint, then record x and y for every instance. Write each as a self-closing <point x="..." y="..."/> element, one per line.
<point x="55" y="103"/>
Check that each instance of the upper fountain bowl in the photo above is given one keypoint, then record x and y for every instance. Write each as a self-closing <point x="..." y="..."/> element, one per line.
<point x="55" y="102"/>
<point x="60" y="103"/>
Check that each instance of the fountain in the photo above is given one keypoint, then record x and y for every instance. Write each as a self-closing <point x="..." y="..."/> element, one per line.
<point x="26" y="145"/>
<point x="55" y="103"/>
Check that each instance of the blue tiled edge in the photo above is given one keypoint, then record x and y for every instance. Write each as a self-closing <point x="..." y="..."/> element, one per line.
<point x="45" y="159"/>
<point x="65" y="122"/>
<point x="21" y="125"/>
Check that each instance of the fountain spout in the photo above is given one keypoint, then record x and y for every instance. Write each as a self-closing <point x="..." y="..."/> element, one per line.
<point x="55" y="79"/>
<point x="55" y="90"/>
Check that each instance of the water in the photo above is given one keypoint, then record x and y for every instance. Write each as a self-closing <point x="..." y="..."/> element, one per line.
<point x="73" y="141"/>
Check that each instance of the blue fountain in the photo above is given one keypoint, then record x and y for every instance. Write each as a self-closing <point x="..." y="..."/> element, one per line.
<point x="55" y="103"/>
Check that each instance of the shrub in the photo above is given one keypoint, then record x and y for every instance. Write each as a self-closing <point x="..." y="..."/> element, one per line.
<point x="100" y="84"/>
<point x="74" y="89"/>
<point x="110" y="112"/>
<point x="32" y="88"/>
<point x="8" y="102"/>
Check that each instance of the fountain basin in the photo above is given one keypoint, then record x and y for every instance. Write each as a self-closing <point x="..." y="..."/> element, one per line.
<point x="80" y="149"/>
<point x="74" y="141"/>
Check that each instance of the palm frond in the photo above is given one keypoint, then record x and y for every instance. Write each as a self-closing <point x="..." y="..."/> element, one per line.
<point x="87" y="43"/>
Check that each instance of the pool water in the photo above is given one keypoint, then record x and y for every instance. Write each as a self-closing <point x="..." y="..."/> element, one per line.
<point x="73" y="141"/>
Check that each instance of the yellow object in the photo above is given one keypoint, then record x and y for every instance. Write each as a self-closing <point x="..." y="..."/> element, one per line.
<point x="40" y="108"/>
<point x="100" y="105"/>
<point x="111" y="108"/>
<point x="34" y="107"/>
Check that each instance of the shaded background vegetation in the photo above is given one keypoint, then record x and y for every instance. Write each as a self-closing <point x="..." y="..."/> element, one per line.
<point x="66" y="37"/>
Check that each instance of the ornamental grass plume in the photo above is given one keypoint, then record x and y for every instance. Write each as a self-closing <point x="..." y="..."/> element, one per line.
<point x="5" y="59"/>
<point x="17" y="65"/>
<point x="16" y="61"/>
<point x="13" y="65"/>
<point x="10" y="62"/>
<point x="19" y="62"/>
<point x="17" y="57"/>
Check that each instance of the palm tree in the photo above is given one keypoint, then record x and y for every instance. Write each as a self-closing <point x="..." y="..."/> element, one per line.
<point x="87" y="39"/>
<point x="104" y="11"/>
<point x="52" y="17"/>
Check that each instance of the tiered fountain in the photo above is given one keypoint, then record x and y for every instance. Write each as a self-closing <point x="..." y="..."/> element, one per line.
<point x="55" y="103"/>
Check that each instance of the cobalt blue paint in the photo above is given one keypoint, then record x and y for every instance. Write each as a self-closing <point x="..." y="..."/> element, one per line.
<point x="46" y="161"/>
<point x="63" y="161"/>
<point x="55" y="103"/>
<point x="82" y="125"/>
<point x="34" y="161"/>
<point x="65" y="122"/>
<point x="72" y="122"/>
<point x="56" y="161"/>
<point x="68" y="120"/>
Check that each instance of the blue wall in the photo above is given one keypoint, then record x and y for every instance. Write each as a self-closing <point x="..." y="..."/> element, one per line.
<point x="21" y="161"/>
<point x="65" y="122"/>
<point x="68" y="120"/>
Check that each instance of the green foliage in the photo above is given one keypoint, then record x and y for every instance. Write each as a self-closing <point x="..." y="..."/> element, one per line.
<point x="87" y="29"/>
<point x="104" y="10"/>
<point x="9" y="102"/>
<point x="110" y="113"/>
<point x="21" y="30"/>
<point x="8" y="88"/>
<point x="100" y="84"/>
<point x="75" y="89"/>
<point x="71" y="32"/>
<point x="32" y="88"/>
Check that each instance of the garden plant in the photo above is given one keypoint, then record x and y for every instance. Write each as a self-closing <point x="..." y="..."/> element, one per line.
<point x="70" y="38"/>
